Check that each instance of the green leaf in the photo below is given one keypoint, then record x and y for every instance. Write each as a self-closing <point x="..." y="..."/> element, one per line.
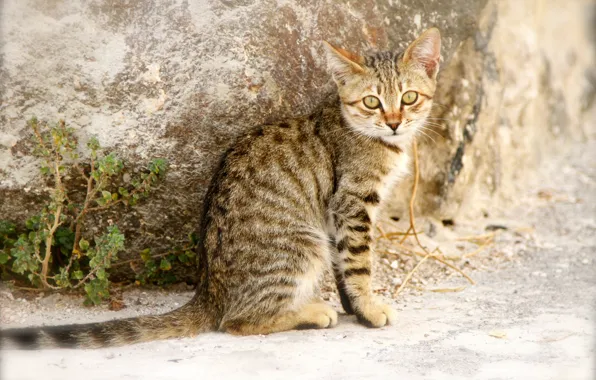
<point x="33" y="223"/>
<point x="145" y="254"/>
<point x="158" y="166"/>
<point x="106" y="195"/>
<point x="96" y="290"/>
<point x="93" y="143"/>
<point x="77" y="274"/>
<point x="7" y="227"/>
<point x="4" y="257"/>
<point x="84" y="245"/>
<point x="62" y="278"/>
<point x="123" y="192"/>
<point x="64" y="237"/>
<point x="165" y="264"/>
<point x="101" y="274"/>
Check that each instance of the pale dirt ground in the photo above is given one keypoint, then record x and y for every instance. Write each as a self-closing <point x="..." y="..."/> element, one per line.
<point x="530" y="316"/>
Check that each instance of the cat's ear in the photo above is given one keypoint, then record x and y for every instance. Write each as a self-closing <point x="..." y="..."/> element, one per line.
<point x="342" y="63"/>
<point x="425" y="52"/>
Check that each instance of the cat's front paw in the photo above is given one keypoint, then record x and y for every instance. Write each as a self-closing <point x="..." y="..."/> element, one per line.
<point x="376" y="314"/>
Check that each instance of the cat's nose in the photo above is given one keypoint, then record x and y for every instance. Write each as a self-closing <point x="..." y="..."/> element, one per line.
<point x="393" y="126"/>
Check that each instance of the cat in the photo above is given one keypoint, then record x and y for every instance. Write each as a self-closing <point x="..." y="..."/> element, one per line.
<point x="288" y="202"/>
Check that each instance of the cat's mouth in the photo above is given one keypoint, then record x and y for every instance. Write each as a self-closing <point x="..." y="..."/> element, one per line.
<point x="396" y="137"/>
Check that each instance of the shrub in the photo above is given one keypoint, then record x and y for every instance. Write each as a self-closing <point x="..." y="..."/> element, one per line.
<point x="50" y="251"/>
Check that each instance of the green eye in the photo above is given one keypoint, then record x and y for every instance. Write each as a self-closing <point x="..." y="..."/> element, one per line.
<point x="371" y="102"/>
<point x="409" y="97"/>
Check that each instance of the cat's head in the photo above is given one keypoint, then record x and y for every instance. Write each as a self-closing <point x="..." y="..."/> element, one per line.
<point x="388" y="95"/>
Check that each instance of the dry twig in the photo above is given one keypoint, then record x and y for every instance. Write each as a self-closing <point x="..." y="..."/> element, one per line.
<point x="409" y="275"/>
<point x="412" y="232"/>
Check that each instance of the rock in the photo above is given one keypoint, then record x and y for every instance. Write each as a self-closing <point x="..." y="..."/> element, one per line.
<point x="181" y="80"/>
<point x="51" y="300"/>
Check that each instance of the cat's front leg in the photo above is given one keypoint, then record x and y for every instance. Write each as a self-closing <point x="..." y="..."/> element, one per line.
<point x="352" y="263"/>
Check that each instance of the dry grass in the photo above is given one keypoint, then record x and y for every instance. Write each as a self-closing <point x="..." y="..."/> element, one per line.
<point x="402" y="244"/>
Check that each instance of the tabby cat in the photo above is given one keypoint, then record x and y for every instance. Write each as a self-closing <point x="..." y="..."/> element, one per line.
<point x="289" y="201"/>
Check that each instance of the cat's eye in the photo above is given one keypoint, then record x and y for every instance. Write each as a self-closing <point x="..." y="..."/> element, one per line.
<point x="409" y="97"/>
<point x="371" y="102"/>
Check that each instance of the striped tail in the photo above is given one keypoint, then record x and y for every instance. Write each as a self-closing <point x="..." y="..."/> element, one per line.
<point x="183" y="322"/>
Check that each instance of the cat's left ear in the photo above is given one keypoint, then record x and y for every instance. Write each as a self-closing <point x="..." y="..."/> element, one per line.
<point x="342" y="63"/>
<point x="426" y="52"/>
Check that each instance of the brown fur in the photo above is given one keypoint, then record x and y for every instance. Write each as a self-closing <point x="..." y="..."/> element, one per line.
<point x="287" y="202"/>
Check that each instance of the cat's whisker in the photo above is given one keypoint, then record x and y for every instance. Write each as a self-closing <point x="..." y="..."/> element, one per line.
<point x="421" y="131"/>
<point x="431" y="130"/>
<point x="435" y="103"/>
<point x="434" y="126"/>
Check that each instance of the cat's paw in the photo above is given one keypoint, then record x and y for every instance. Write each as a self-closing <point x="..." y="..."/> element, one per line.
<point x="318" y="316"/>
<point x="376" y="314"/>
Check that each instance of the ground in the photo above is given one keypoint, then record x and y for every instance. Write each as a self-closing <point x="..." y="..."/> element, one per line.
<point x="530" y="315"/>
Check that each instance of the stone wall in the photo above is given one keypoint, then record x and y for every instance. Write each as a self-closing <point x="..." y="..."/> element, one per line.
<point x="520" y="88"/>
<point x="180" y="79"/>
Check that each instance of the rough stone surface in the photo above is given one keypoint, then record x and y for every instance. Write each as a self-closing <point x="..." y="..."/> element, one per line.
<point x="180" y="79"/>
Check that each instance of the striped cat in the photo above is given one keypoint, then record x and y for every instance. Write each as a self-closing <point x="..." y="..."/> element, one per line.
<point x="289" y="201"/>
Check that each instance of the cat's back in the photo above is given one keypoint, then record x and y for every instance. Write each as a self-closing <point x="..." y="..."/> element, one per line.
<point x="274" y="179"/>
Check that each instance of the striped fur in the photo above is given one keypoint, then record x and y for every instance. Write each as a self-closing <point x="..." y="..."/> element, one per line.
<point x="287" y="202"/>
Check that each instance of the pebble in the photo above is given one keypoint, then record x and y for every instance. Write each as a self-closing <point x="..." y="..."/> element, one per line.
<point x="394" y="264"/>
<point x="396" y="281"/>
<point x="8" y="295"/>
<point x="585" y="261"/>
<point x="51" y="300"/>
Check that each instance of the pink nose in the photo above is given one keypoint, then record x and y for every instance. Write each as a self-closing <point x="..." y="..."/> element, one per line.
<point x="393" y="126"/>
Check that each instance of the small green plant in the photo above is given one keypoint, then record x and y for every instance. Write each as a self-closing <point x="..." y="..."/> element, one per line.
<point x="157" y="268"/>
<point x="51" y="252"/>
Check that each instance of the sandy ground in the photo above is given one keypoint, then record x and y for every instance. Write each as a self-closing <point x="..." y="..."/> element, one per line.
<point x="530" y="316"/>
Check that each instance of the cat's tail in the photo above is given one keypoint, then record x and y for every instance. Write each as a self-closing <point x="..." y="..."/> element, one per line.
<point x="189" y="320"/>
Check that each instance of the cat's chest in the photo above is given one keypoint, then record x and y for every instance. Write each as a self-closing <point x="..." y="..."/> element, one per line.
<point x="395" y="168"/>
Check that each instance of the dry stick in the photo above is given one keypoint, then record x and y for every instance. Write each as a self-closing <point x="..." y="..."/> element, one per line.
<point x="413" y="198"/>
<point x="156" y="256"/>
<point x="453" y="267"/>
<point x="24" y="288"/>
<point x="412" y="222"/>
<point x="409" y="275"/>
<point x="387" y="252"/>
<point x="440" y="290"/>
<point x="413" y="225"/>
<point x="399" y="233"/>
<point x="478" y="250"/>
<point x="79" y="219"/>
<point x="477" y="237"/>
<point x="52" y="229"/>
<point x="383" y="234"/>
<point x="434" y="257"/>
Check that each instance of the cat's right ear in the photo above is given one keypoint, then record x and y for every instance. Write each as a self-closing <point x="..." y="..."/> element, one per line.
<point x="342" y="63"/>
